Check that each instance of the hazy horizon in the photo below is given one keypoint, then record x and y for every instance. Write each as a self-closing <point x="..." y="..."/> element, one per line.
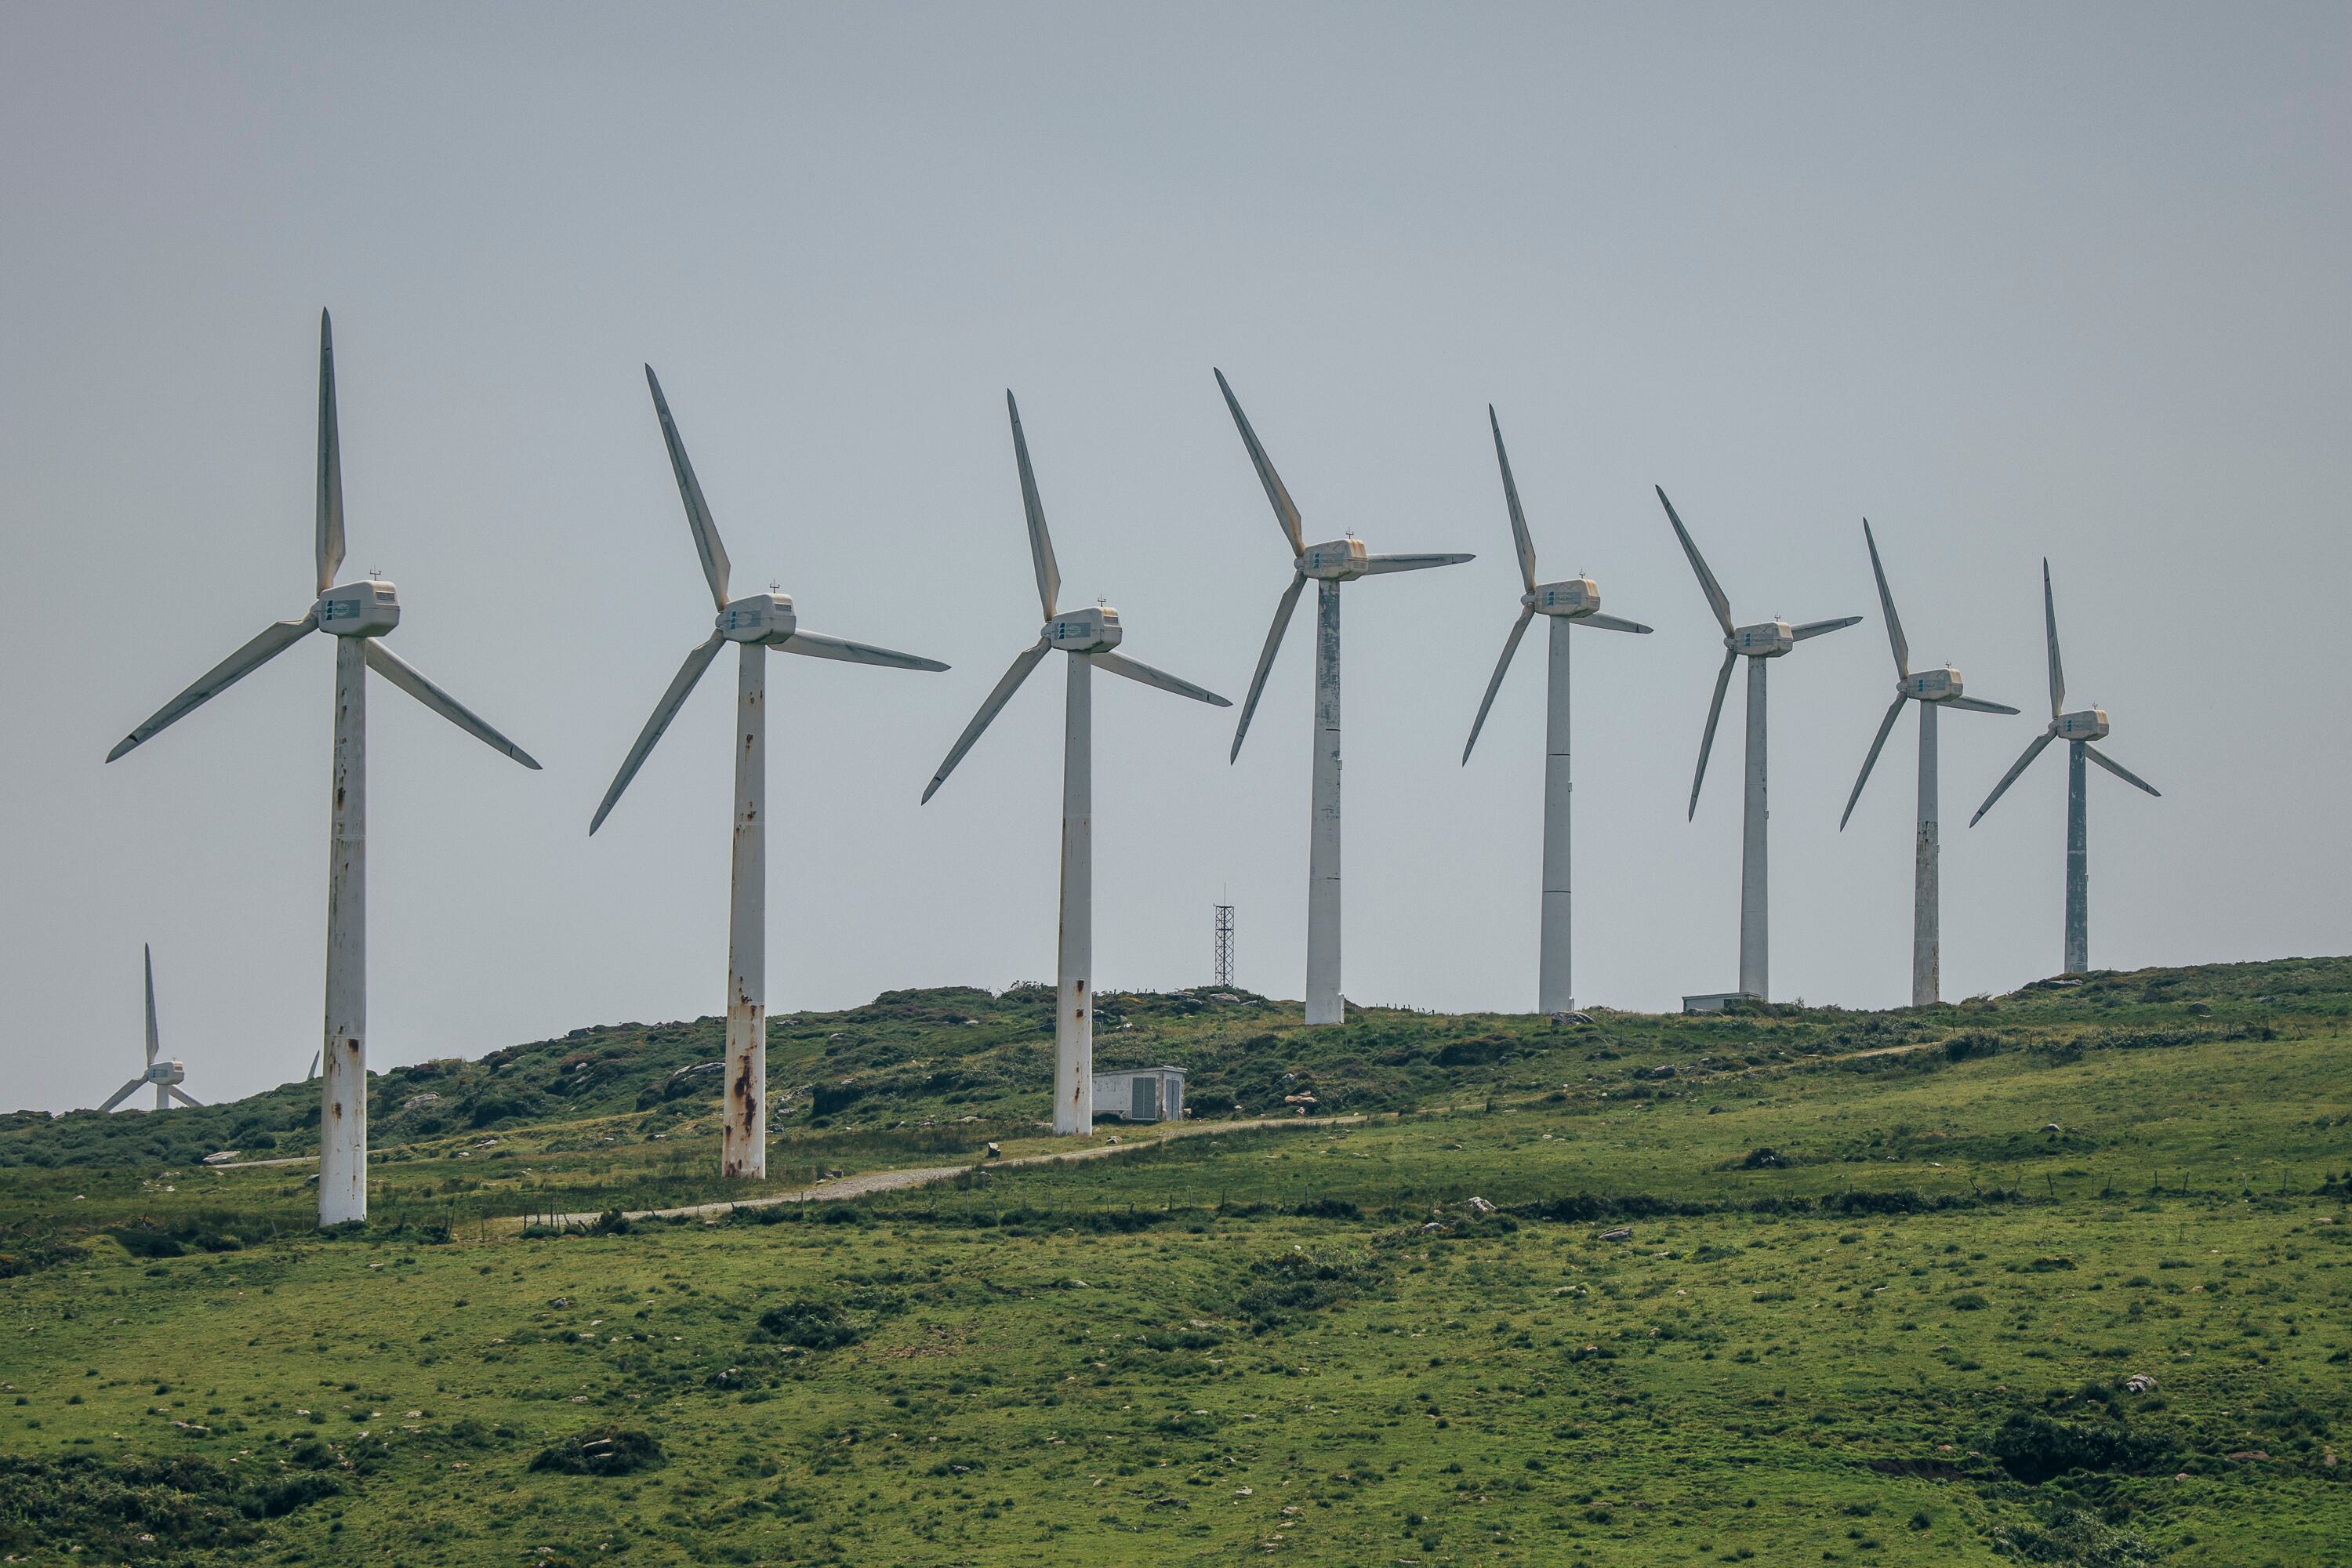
<point x="2011" y="282"/>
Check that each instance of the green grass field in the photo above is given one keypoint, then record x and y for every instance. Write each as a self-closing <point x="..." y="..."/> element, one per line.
<point x="1886" y="1282"/>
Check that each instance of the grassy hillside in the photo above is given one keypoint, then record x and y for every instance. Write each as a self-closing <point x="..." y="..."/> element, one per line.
<point x="1887" y="1281"/>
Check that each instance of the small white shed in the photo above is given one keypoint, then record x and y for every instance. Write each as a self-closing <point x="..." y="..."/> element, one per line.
<point x="1140" y="1094"/>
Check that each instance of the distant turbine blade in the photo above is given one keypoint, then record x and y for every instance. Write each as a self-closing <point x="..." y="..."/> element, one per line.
<point x="1378" y="564"/>
<point x="1818" y="628"/>
<point x="1886" y="603"/>
<point x="1023" y="663"/>
<point x="1519" y="539"/>
<point x="680" y="686"/>
<point x="1494" y="681"/>
<point x="331" y="463"/>
<point x="267" y="645"/>
<point x="1707" y="741"/>
<point x="122" y="1094"/>
<point x="1285" y="511"/>
<point x="1611" y="624"/>
<point x="1885" y="727"/>
<point x="1976" y="705"/>
<point x="2050" y="623"/>
<point x="184" y="1097"/>
<point x="1707" y="582"/>
<point x="155" y="1038"/>
<point x="2015" y="768"/>
<point x="715" y="568"/>
<point x="1041" y="544"/>
<point x="820" y="646"/>
<point x="1265" y="658"/>
<point x="2118" y="768"/>
<point x="409" y="679"/>
<point x="1150" y="675"/>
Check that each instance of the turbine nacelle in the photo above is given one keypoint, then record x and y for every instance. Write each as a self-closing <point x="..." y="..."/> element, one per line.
<point x="1931" y="685"/>
<point x="1084" y="631"/>
<point x="1572" y="596"/>
<point x="1765" y="639"/>
<point x="1341" y="561"/>
<point x="368" y="608"/>
<point x="2086" y="724"/>
<point x="165" y="1072"/>
<point x="758" y="617"/>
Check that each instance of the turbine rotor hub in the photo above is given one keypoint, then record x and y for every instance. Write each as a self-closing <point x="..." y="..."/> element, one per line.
<point x="367" y="608"/>
<point x="1094" y="630"/>
<point x="757" y="618"/>
<point x="1341" y="560"/>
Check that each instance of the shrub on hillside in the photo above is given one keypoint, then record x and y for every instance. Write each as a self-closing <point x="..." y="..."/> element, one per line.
<point x="601" y="1452"/>
<point x="811" y="1325"/>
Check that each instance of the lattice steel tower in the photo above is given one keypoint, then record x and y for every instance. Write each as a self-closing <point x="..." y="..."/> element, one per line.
<point x="1225" y="943"/>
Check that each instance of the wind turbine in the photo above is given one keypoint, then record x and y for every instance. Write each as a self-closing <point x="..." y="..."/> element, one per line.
<point x="754" y="623"/>
<point x="167" y="1076"/>
<point x="1575" y="600"/>
<point x="2078" y="730"/>
<point x="1931" y="690"/>
<point x="356" y="615"/>
<point x="1764" y="640"/>
<point x="1088" y="637"/>
<point x="1341" y="561"/>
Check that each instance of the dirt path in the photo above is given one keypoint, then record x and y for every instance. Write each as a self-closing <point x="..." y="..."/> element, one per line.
<point x="868" y="1183"/>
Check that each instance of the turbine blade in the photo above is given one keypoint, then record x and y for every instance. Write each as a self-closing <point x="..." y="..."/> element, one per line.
<point x="1265" y="658"/>
<point x="1136" y="669"/>
<point x="816" y="645"/>
<point x="1023" y="663"/>
<point x="715" y="568"/>
<point x="1707" y="582"/>
<point x="2118" y="768"/>
<point x="122" y="1094"/>
<point x="155" y="1038"/>
<point x="1611" y="624"/>
<point x="2050" y="623"/>
<point x="1818" y="628"/>
<point x="1886" y="603"/>
<point x="1519" y="539"/>
<point x="271" y="641"/>
<point x="1707" y="741"/>
<point x="1885" y="727"/>
<point x="409" y="679"/>
<point x="331" y="463"/>
<point x="1041" y="544"/>
<point x="680" y="685"/>
<point x="2015" y="768"/>
<point x="1976" y="705"/>
<point x="1494" y="681"/>
<point x="1379" y="565"/>
<point x="1285" y="511"/>
<point x="184" y="1097"/>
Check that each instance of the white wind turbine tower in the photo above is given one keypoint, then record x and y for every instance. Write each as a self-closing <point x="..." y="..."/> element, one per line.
<point x="1088" y="637"/>
<point x="754" y="623"/>
<point x="356" y="614"/>
<point x="1931" y="690"/>
<point x="1571" y="601"/>
<point x="167" y="1076"/>
<point x="1341" y="560"/>
<point x="2078" y="730"/>
<point x="1758" y="643"/>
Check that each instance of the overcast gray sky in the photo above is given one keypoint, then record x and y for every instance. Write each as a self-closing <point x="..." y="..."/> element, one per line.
<point x="2008" y="280"/>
